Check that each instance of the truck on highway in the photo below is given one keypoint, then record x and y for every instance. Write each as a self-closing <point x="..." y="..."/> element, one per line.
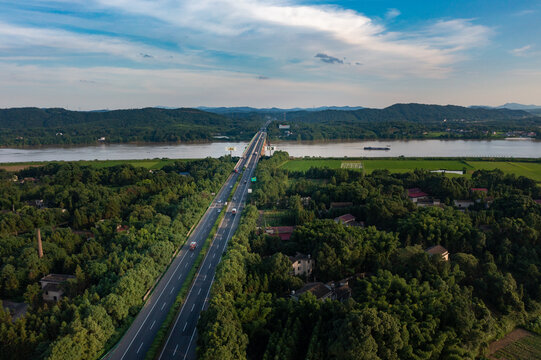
<point x="234" y="211"/>
<point x="193" y="245"/>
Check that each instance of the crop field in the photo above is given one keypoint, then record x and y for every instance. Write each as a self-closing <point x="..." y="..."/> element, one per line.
<point x="305" y="164"/>
<point x="153" y="164"/>
<point x="519" y="168"/>
<point x="525" y="348"/>
<point x="528" y="169"/>
<point x="405" y="165"/>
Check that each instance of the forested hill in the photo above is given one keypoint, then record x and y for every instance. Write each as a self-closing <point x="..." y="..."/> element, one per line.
<point x="33" y="126"/>
<point x="411" y="112"/>
<point x="403" y="121"/>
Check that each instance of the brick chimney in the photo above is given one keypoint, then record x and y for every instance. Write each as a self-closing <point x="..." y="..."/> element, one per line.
<point x="40" y="246"/>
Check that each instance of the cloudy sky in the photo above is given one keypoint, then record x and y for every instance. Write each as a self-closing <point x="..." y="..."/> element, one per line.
<point x="97" y="54"/>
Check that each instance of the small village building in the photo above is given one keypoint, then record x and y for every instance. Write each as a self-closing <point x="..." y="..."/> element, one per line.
<point x="344" y="219"/>
<point x="283" y="232"/>
<point x="306" y="201"/>
<point x="122" y="228"/>
<point x="538" y="201"/>
<point x="342" y="293"/>
<point x="320" y="290"/>
<point x="428" y="202"/>
<point x="438" y="250"/>
<point x="416" y="194"/>
<point x="302" y="264"/>
<point x="463" y="204"/>
<point x="51" y="285"/>
<point x="483" y="190"/>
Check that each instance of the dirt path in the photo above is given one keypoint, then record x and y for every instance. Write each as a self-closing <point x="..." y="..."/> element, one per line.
<point x="513" y="336"/>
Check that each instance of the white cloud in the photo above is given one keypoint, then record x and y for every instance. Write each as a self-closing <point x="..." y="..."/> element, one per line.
<point x="282" y="28"/>
<point x="521" y="51"/>
<point x="392" y="13"/>
<point x="32" y="43"/>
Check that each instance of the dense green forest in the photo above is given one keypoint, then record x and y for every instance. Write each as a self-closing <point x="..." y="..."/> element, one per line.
<point x="405" y="121"/>
<point x="33" y="126"/>
<point x="79" y="210"/>
<point x="404" y="304"/>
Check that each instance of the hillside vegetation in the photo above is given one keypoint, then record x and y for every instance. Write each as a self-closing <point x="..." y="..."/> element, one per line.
<point x="403" y="121"/>
<point x="33" y="126"/>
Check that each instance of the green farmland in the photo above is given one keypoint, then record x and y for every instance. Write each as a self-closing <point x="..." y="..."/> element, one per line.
<point x="528" y="169"/>
<point x="151" y="164"/>
<point x="526" y="348"/>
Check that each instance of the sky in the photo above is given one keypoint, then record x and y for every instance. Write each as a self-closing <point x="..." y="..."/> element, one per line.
<point x="111" y="54"/>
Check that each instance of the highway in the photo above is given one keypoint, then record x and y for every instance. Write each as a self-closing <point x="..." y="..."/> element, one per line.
<point x="139" y="337"/>
<point x="182" y="339"/>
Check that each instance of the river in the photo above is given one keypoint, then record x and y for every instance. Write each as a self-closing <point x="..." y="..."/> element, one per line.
<point x="409" y="148"/>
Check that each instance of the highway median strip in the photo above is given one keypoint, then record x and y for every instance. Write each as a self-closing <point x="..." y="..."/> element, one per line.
<point x="160" y="338"/>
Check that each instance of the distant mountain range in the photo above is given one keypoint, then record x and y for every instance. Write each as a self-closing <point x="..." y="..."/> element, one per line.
<point x="247" y="109"/>
<point x="512" y="106"/>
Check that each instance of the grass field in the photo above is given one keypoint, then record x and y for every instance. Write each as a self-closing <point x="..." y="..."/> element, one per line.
<point x="525" y="348"/>
<point x="305" y="164"/>
<point x="529" y="169"/>
<point x="153" y="164"/>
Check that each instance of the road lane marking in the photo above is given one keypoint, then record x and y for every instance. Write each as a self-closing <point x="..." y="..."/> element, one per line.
<point x="213" y="255"/>
<point x="151" y="326"/>
<point x="152" y="308"/>
<point x="199" y="292"/>
<point x="191" y="255"/>
<point x="174" y="352"/>
<point x="179" y="276"/>
<point x="162" y="307"/>
<point x="139" y="348"/>
<point x="192" y="307"/>
<point x="193" y="333"/>
<point x="185" y="326"/>
<point x="235" y="220"/>
<point x="172" y="289"/>
<point x="186" y="266"/>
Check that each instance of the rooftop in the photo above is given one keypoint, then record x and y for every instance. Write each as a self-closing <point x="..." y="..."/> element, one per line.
<point x="479" y="189"/>
<point x="415" y="193"/>
<point x="436" y="250"/>
<point x="319" y="289"/>
<point x="57" y="278"/>
<point x="345" y="218"/>
<point x="299" y="256"/>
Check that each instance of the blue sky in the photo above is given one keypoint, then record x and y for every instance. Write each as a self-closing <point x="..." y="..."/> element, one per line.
<point x="94" y="54"/>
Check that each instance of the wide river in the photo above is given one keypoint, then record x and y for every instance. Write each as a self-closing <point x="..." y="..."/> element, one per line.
<point x="410" y="148"/>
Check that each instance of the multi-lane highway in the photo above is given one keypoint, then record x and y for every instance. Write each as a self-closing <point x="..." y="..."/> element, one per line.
<point x="140" y="336"/>
<point x="181" y="341"/>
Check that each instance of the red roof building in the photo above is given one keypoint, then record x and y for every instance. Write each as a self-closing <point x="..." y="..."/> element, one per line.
<point x="415" y="194"/>
<point x="344" y="219"/>
<point x="538" y="201"/>
<point x="485" y="190"/>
